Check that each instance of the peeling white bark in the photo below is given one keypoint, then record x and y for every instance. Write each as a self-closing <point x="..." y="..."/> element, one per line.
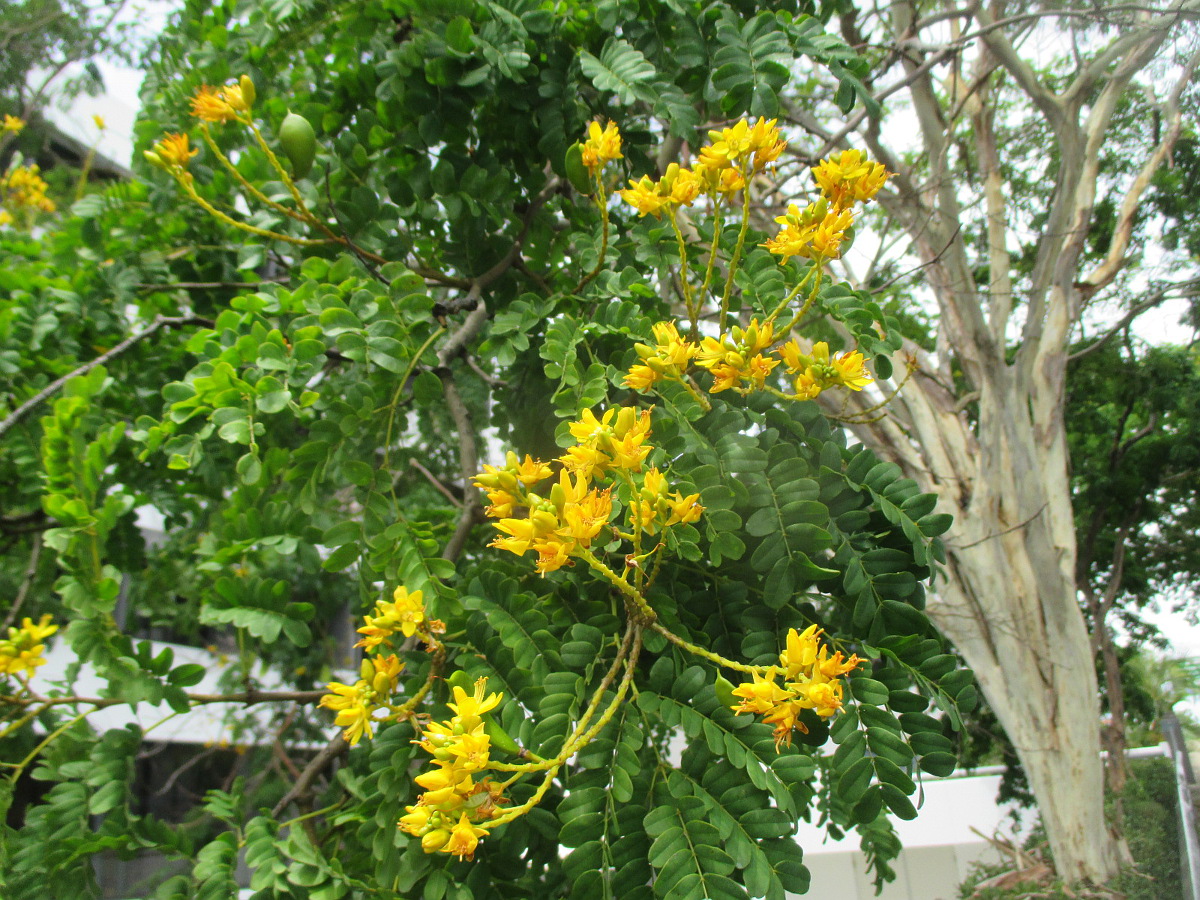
<point x="1010" y="602"/>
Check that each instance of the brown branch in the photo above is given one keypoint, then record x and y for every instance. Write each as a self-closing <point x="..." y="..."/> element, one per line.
<point x="247" y="698"/>
<point x="328" y="754"/>
<point x="433" y="480"/>
<point x="26" y="581"/>
<point x="208" y="285"/>
<point x="1187" y="289"/>
<point x="1107" y="270"/>
<point x="55" y="386"/>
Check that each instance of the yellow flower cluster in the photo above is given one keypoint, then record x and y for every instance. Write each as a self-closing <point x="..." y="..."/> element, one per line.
<point x="11" y="125"/>
<point x="24" y="188"/>
<point x="601" y="146"/>
<point x="738" y="361"/>
<point x="404" y="613"/>
<point x="224" y="104"/>
<point x="817" y="231"/>
<point x="667" y="360"/>
<point x="814" y="372"/>
<point x="735" y="154"/>
<point x="810" y="681"/>
<point x="655" y="507"/>
<point x="22" y="650"/>
<point x="563" y="522"/>
<point x="356" y="704"/>
<point x="451" y="815"/>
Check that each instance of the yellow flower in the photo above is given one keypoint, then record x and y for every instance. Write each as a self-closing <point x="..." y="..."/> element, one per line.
<point x="760" y="695"/>
<point x="641" y="377"/>
<point x="22" y="650"/>
<point x="727" y="147"/>
<point x="212" y="105"/>
<point x="464" y="838"/>
<point x="643" y="196"/>
<point x="818" y="371"/>
<point x="99" y="122"/>
<point x="601" y="145"/>
<point x="5" y="217"/>
<point x="404" y="613"/>
<point x="765" y="143"/>
<point x="354" y="709"/>
<point x="849" y="177"/>
<point x="12" y="124"/>
<point x="173" y="150"/>
<point x="24" y="188"/>
<point x="800" y="654"/>
<point x="851" y="371"/>
<point x="470" y="707"/>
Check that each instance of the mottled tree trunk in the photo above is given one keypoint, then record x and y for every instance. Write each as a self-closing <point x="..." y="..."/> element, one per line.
<point x="981" y="420"/>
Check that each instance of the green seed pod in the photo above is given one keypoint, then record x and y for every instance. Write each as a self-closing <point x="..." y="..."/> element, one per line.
<point x="724" y="689"/>
<point x="248" y="93"/>
<point x="501" y="739"/>
<point x="577" y="173"/>
<point x="299" y="143"/>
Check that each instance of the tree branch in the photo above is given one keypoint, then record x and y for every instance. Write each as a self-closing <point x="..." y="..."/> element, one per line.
<point x="55" y="386"/>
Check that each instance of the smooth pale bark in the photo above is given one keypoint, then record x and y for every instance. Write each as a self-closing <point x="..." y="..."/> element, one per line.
<point x="981" y="423"/>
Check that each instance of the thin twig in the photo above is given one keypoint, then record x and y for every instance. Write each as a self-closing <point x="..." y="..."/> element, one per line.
<point x="328" y="754"/>
<point x="26" y="580"/>
<point x="55" y="386"/>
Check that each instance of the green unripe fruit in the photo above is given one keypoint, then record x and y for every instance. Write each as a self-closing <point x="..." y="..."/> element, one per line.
<point x="501" y="739"/>
<point x="577" y="172"/>
<point x="299" y="143"/>
<point x="724" y="689"/>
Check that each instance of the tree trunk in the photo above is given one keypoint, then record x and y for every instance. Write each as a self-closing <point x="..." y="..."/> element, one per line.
<point x="1009" y="602"/>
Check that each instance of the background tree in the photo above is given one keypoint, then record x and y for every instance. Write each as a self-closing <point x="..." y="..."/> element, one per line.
<point x="1023" y="153"/>
<point x="302" y="373"/>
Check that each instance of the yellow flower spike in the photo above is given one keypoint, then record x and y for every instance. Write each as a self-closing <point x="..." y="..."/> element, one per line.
<point x="602" y="145"/>
<point x="12" y="124"/>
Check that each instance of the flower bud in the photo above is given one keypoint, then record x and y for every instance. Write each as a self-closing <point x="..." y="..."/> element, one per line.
<point x="247" y="86"/>
<point x="435" y="840"/>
